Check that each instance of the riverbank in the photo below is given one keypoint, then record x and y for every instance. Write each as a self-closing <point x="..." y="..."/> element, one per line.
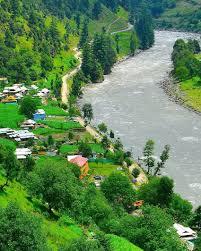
<point x="172" y="89"/>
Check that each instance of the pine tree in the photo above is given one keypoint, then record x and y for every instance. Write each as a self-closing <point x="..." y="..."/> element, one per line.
<point x="87" y="62"/>
<point x="97" y="72"/>
<point x="84" y="33"/>
<point x="96" y="10"/>
<point x="144" y="28"/>
<point x="104" y="52"/>
<point x="134" y="43"/>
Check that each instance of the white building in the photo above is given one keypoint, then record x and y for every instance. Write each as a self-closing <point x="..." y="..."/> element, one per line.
<point x="22" y="153"/>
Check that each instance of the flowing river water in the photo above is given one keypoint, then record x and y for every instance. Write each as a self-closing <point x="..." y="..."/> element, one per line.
<point x="131" y="102"/>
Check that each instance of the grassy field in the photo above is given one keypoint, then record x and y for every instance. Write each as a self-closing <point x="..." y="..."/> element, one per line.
<point x="47" y="131"/>
<point x="9" y="116"/>
<point x="67" y="149"/>
<point x="191" y="93"/>
<point x="62" y="125"/>
<point x="124" y="43"/>
<point x="102" y="168"/>
<point x="120" y="244"/>
<point x="7" y="143"/>
<point x="53" y="110"/>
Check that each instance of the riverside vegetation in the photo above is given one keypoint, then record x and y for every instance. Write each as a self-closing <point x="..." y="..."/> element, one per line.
<point x="43" y="203"/>
<point x="187" y="68"/>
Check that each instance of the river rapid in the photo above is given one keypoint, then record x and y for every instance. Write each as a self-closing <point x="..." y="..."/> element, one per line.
<point x="131" y="102"/>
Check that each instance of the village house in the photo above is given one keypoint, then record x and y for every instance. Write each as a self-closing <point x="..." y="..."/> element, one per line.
<point x="186" y="234"/>
<point x="43" y="93"/>
<point x="9" y="100"/>
<point x="10" y="95"/>
<point x="22" y="153"/>
<point x="3" y="80"/>
<point x="21" y="135"/>
<point x="81" y="162"/>
<point x="39" y="115"/>
<point x="28" y="124"/>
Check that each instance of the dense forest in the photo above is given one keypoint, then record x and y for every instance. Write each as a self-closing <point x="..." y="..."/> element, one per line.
<point x="35" y="35"/>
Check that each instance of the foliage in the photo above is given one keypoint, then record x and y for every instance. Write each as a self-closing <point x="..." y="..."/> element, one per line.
<point x="158" y="191"/>
<point x="196" y="219"/>
<point x="95" y="206"/>
<point x="148" y="154"/>
<point x="144" y="28"/>
<point x="27" y="106"/>
<point x="118" y="189"/>
<point x="180" y="209"/>
<point x="85" y="149"/>
<point x="10" y="167"/>
<point x="102" y="127"/>
<point x="16" y="233"/>
<point x="186" y="65"/>
<point x="55" y="184"/>
<point x="136" y="172"/>
<point x="87" y="111"/>
<point x="151" y="231"/>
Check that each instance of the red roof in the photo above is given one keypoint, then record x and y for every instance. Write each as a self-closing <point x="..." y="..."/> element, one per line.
<point x="79" y="160"/>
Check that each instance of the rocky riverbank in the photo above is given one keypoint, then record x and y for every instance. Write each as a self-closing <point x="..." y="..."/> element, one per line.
<point x="172" y="89"/>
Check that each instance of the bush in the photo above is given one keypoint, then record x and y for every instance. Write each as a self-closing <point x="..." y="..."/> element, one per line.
<point x="136" y="172"/>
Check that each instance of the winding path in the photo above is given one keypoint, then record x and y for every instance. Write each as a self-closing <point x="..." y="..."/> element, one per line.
<point x="65" y="78"/>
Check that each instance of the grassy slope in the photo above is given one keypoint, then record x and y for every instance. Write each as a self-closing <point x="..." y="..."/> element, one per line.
<point x="9" y="116"/>
<point x="178" y="17"/>
<point x="58" y="232"/>
<point x="62" y="231"/>
<point x="191" y="93"/>
<point x="120" y="244"/>
<point x="111" y="21"/>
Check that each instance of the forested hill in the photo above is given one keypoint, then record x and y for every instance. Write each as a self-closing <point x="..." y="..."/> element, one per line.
<point x="37" y="37"/>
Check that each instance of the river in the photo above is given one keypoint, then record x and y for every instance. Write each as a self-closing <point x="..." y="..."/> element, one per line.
<point x="131" y="102"/>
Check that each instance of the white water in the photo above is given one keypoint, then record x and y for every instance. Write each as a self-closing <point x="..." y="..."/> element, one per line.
<point x="131" y="102"/>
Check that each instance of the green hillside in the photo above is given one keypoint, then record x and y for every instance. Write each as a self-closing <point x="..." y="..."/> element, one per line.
<point x="184" y="16"/>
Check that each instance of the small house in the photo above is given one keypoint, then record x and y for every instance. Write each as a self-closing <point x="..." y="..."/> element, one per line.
<point x="22" y="153"/>
<point x="186" y="233"/>
<point x="81" y="162"/>
<point x="34" y="87"/>
<point x="39" y="115"/>
<point x="9" y="100"/>
<point x="28" y="124"/>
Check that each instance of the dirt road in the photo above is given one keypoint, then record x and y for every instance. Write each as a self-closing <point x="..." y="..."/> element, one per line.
<point x="65" y="78"/>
